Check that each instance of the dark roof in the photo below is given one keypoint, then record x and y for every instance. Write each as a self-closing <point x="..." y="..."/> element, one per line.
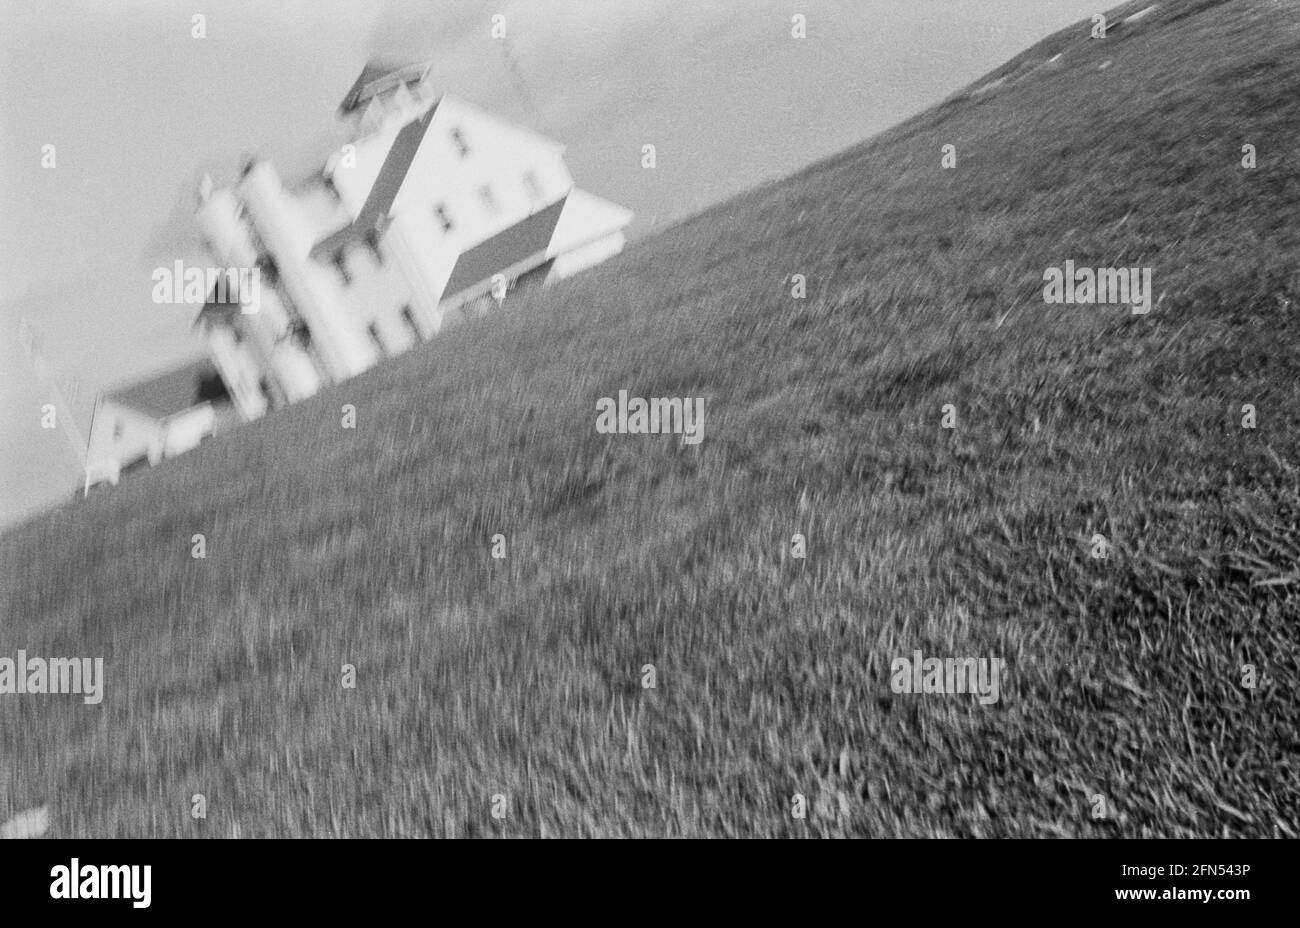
<point x="385" y="188"/>
<point x="173" y="391"/>
<point x="515" y="245"/>
<point x="379" y="75"/>
<point x="217" y="313"/>
<point x="218" y="310"/>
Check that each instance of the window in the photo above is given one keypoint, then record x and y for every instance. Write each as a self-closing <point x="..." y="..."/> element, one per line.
<point x="372" y="242"/>
<point x="341" y="265"/>
<point x="408" y="316"/>
<point x="444" y="218"/>
<point x="489" y="200"/>
<point x="117" y="430"/>
<point x="298" y="333"/>
<point x="531" y="186"/>
<point x="374" y="337"/>
<point x="269" y="269"/>
<point x="458" y="139"/>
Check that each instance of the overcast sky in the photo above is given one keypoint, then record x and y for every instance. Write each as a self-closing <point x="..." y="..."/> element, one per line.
<point x="138" y="109"/>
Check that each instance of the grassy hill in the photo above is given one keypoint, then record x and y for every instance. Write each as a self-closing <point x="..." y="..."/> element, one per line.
<point x="522" y="676"/>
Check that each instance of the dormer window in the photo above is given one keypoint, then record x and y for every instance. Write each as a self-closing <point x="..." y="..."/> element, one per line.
<point x="444" y="218"/>
<point x="458" y="139"/>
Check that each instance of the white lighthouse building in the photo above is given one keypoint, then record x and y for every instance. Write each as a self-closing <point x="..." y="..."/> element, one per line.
<point x="433" y="206"/>
<point x="432" y="211"/>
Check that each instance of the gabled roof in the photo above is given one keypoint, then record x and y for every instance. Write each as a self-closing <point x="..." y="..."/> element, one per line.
<point x="522" y="241"/>
<point x="378" y="76"/>
<point x="385" y="188"/>
<point x="173" y="391"/>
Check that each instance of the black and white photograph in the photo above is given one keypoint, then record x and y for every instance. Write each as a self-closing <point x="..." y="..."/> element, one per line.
<point x="587" y="419"/>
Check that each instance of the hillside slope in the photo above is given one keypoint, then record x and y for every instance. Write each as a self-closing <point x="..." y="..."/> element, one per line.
<point x="522" y="676"/>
